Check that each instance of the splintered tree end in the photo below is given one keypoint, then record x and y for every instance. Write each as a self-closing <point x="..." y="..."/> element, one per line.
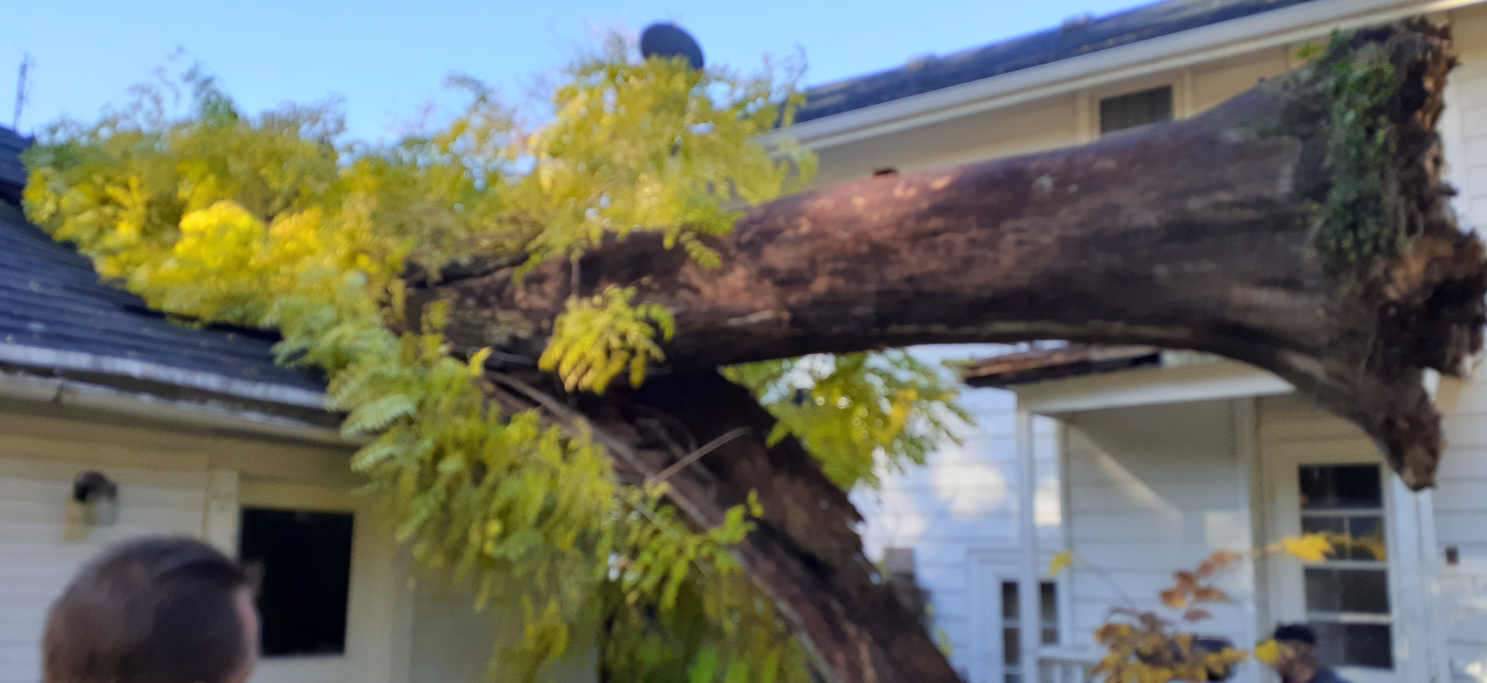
<point x="1409" y="284"/>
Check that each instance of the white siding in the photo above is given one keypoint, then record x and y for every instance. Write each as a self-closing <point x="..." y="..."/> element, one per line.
<point x="1461" y="498"/>
<point x="1154" y="490"/>
<point x="453" y="643"/>
<point x="963" y="501"/>
<point x="163" y="477"/>
<point x="42" y="548"/>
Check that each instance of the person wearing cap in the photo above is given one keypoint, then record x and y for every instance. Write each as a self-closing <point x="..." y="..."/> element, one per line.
<point x="1298" y="662"/>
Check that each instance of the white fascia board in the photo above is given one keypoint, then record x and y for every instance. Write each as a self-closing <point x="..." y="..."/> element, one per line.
<point x="1149" y="386"/>
<point x="72" y="393"/>
<point x="1231" y="38"/>
<point x="78" y="361"/>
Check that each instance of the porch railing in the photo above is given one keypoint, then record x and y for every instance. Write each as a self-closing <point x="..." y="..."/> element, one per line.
<point x="1065" y="665"/>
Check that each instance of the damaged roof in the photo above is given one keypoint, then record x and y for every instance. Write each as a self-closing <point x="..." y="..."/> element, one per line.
<point x="1073" y="360"/>
<point x="56" y="314"/>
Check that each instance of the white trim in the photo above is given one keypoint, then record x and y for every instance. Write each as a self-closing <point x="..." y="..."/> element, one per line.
<point x="79" y="361"/>
<point x="1149" y="386"/>
<point x="72" y="393"/>
<point x="377" y="646"/>
<point x="984" y="658"/>
<point x="1247" y="457"/>
<point x="1257" y="32"/>
<point x="222" y="518"/>
<point x="1287" y="591"/>
<point x="1432" y="564"/>
<point x="1029" y="588"/>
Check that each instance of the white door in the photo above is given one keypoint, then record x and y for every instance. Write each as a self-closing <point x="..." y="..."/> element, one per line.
<point x="1352" y="599"/>
<point x="995" y="624"/>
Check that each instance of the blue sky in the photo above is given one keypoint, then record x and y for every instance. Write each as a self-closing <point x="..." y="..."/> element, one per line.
<point x="388" y="58"/>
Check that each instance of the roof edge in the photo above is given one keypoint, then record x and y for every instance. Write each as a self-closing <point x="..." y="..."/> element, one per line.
<point x="79" y="361"/>
<point x="1215" y="41"/>
<point x="85" y="395"/>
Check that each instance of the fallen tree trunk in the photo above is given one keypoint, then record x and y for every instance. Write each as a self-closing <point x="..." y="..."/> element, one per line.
<point x="1198" y="235"/>
<point x="1201" y="234"/>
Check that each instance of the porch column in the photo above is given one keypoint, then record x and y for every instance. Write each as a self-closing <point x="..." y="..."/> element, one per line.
<point x="1029" y="596"/>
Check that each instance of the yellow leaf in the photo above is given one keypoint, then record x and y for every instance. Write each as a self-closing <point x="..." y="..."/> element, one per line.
<point x="1307" y="548"/>
<point x="1061" y="561"/>
<point x="1175" y="599"/>
<point x="477" y="361"/>
<point x="1270" y="652"/>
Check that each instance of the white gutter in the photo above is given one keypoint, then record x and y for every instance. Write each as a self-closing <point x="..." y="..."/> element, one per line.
<point x="1272" y="29"/>
<point x="72" y="393"/>
<point x="77" y="361"/>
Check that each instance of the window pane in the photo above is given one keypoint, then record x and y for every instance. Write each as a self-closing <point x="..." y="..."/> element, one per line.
<point x="1366" y="534"/>
<point x="1050" y="636"/>
<point x="1011" y="645"/>
<point x="1330" y="487"/>
<point x="1135" y="109"/>
<point x="1013" y="677"/>
<point x="305" y="559"/>
<point x="1347" y="590"/>
<point x="1009" y="600"/>
<point x="1049" y="603"/>
<point x="1369" y="645"/>
<point x="1323" y="525"/>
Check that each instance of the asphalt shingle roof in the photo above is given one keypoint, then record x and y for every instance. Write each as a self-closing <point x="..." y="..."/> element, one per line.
<point x="1124" y="28"/>
<point x="51" y="298"/>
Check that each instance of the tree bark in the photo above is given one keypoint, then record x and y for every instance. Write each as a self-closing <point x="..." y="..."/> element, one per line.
<point x="1198" y="234"/>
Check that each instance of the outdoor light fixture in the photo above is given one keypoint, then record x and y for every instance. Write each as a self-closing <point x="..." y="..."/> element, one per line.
<point x="98" y="497"/>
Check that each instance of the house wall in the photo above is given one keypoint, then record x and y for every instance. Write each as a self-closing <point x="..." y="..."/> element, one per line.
<point x="1153" y="490"/>
<point x="1460" y="499"/>
<point x="178" y="481"/>
<point x="1292" y="430"/>
<point x="959" y="514"/>
<point x="960" y="509"/>
<point x="1042" y="124"/>
<point x="915" y="512"/>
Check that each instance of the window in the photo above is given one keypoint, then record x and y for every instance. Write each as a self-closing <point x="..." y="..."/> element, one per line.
<point x="303" y="563"/>
<point x="1133" y="110"/>
<point x="1347" y="596"/>
<point x="1012" y="626"/>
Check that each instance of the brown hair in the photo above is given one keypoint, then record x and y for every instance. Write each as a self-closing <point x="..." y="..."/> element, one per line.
<point x="151" y="610"/>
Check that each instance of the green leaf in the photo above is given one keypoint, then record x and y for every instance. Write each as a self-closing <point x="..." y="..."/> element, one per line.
<point x="378" y="414"/>
<point x="705" y="668"/>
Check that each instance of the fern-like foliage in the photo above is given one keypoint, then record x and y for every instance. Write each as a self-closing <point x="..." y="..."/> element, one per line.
<point x="861" y="414"/>
<point x="273" y="221"/>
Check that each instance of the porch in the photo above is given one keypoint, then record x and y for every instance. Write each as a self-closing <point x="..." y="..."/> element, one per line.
<point x="1164" y="458"/>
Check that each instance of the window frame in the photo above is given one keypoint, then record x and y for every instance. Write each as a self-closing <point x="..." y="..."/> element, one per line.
<point x="1281" y="460"/>
<point x="1342" y="616"/>
<point x="262" y="494"/>
<point x="1089" y="100"/>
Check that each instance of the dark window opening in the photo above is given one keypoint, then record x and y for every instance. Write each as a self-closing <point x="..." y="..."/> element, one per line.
<point x="1133" y="110"/>
<point x="303" y="563"/>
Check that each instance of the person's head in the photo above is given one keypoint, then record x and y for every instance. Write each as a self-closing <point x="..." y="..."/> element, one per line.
<point x="1299" y="661"/>
<point x="153" y="610"/>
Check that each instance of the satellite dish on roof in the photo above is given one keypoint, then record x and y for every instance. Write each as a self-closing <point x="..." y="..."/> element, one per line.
<point x="669" y="40"/>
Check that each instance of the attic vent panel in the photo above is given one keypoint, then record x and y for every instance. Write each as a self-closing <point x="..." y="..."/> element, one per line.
<point x="1133" y="110"/>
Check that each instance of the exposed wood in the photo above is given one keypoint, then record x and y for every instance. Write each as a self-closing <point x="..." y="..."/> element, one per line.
<point x="1194" y="235"/>
<point x="1046" y="364"/>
